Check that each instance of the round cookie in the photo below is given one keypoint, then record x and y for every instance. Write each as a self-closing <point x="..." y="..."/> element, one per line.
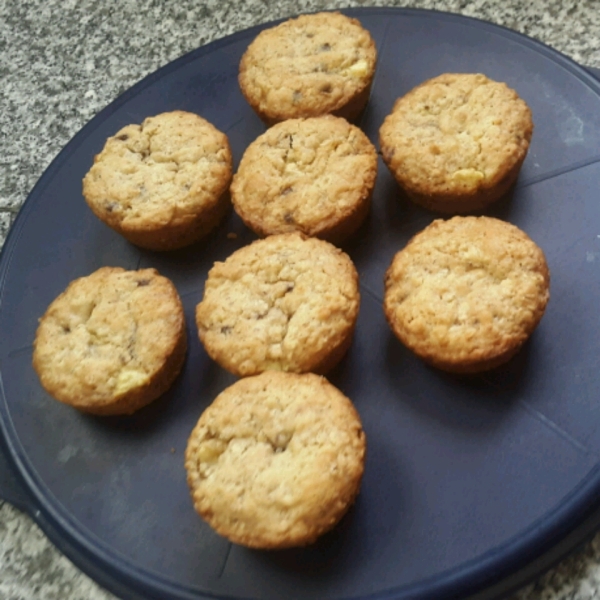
<point x="286" y="303"/>
<point x="276" y="460"/>
<point x="309" y="66"/>
<point x="465" y="294"/>
<point x="112" y="342"/>
<point x="456" y="143"/>
<point x="162" y="184"/>
<point x="315" y="176"/>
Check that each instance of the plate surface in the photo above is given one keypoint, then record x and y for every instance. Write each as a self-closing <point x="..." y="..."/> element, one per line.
<point x="466" y="479"/>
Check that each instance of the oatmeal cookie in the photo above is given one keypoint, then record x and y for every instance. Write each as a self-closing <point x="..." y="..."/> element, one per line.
<point x="276" y="460"/>
<point x="163" y="184"/>
<point x="456" y="143"/>
<point x="315" y="176"/>
<point x="309" y="66"/>
<point x="465" y="294"/>
<point x="112" y="342"/>
<point x="286" y="303"/>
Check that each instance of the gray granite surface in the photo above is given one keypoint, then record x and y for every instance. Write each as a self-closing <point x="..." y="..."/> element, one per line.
<point x="61" y="61"/>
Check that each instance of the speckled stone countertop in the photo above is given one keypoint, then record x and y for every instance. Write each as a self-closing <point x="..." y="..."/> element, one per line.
<point x="61" y="61"/>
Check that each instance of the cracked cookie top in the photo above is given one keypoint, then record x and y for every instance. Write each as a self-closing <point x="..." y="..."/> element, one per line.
<point x="466" y="293"/>
<point x="112" y="341"/>
<point x="153" y="182"/>
<point x="286" y="303"/>
<point x="276" y="460"/>
<point x="309" y="66"/>
<point x="456" y="136"/>
<point x="311" y="175"/>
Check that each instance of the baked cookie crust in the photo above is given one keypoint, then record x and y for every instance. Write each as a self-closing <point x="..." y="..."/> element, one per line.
<point x="315" y="176"/>
<point x="456" y="143"/>
<point x="112" y="342"/>
<point x="465" y="294"/>
<point x="276" y="460"/>
<point x="163" y="184"/>
<point x="309" y="66"/>
<point x="286" y="303"/>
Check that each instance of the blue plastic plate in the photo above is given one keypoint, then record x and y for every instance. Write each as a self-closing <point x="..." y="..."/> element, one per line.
<point x="467" y="480"/>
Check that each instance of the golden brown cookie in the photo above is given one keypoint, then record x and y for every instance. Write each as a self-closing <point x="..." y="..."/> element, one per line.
<point x="286" y="303"/>
<point x="112" y="342"/>
<point x="276" y="460"/>
<point x="465" y="294"/>
<point x="457" y="142"/>
<point x="315" y="176"/>
<point x="309" y="66"/>
<point x="163" y="184"/>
